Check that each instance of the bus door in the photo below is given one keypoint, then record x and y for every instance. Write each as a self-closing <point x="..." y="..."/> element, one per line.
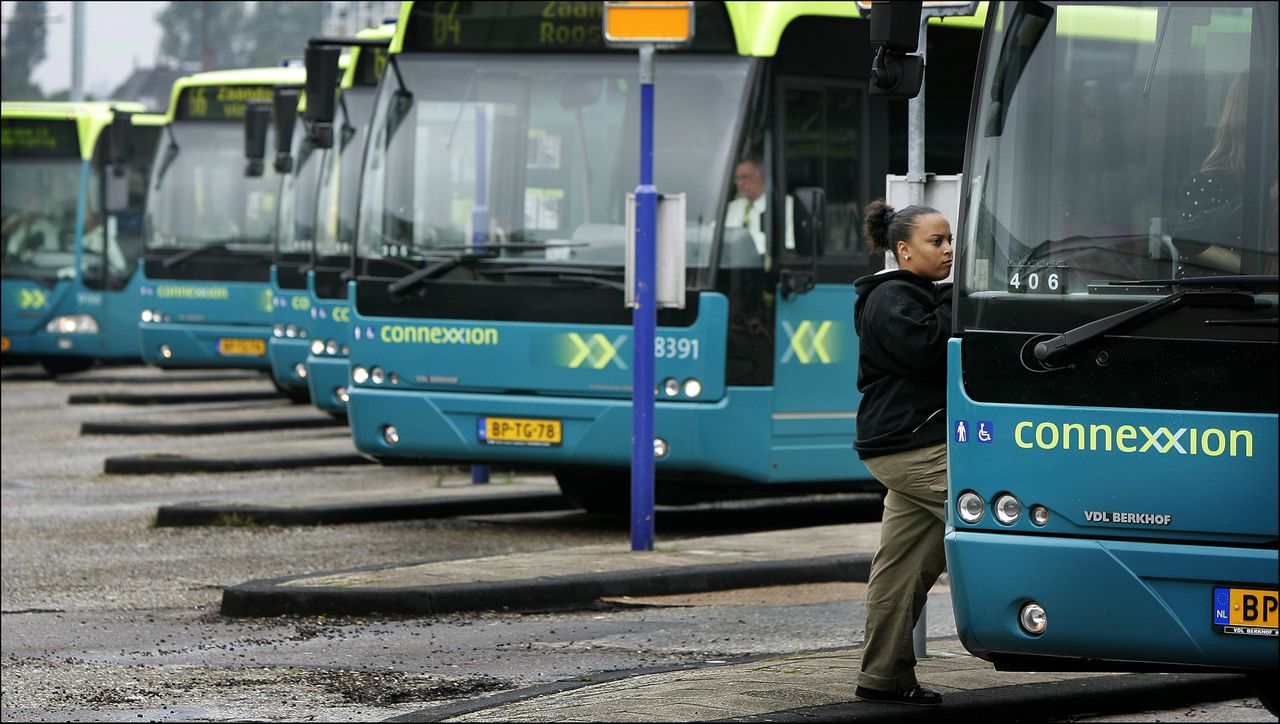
<point x="821" y="143"/>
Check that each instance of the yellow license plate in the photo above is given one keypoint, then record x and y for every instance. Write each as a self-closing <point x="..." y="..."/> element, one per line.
<point x="232" y="347"/>
<point x="519" y="431"/>
<point x="4" y="344"/>
<point x="1247" y="611"/>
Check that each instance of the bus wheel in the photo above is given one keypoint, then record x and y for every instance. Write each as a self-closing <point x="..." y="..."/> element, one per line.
<point x="1264" y="685"/>
<point x="603" y="492"/>
<point x="55" y="366"/>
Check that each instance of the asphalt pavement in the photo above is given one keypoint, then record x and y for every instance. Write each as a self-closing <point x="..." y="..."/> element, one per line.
<point x="804" y="686"/>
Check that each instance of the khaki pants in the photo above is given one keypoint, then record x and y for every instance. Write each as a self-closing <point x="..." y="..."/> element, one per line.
<point x="909" y="561"/>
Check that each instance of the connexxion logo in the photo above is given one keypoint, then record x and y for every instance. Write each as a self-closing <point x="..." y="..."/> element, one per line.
<point x="1133" y="439"/>
<point x="810" y="342"/>
<point x="31" y="299"/>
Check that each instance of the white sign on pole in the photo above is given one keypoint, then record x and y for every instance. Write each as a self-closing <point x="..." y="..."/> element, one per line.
<point x="670" y="247"/>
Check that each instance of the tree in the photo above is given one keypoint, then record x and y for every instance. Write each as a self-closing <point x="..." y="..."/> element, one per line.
<point x="205" y="35"/>
<point x="280" y="30"/>
<point x="23" y="51"/>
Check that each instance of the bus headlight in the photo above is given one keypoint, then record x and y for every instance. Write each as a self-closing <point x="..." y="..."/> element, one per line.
<point x="291" y="330"/>
<point x="72" y="324"/>
<point x="147" y="315"/>
<point x="390" y="434"/>
<point x="166" y="352"/>
<point x="970" y="507"/>
<point x="1008" y="509"/>
<point x="1033" y="618"/>
<point x="671" y="386"/>
<point x="376" y="375"/>
<point x="660" y="448"/>
<point x="300" y="370"/>
<point x="277" y="330"/>
<point x="692" y="387"/>
<point x="341" y="394"/>
<point x="317" y="347"/>
<point x="359" y="375"/>
<point x="331" y="346"/>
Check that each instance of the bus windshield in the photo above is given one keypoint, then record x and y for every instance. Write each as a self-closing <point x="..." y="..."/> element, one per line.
<point x="1114" y="143"/>
<point x="339" y="182"/>
<point x="39" y="216"/>
<point x="200" y="194"/>
<point x="541" y="152"/>
<point x="296" y="228"/>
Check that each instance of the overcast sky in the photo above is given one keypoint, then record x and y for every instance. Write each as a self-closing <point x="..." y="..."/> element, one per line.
<point x="119" y="36"/>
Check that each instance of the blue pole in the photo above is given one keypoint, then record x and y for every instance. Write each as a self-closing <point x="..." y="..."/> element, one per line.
<point x="644" y="320"/>
<point x="480" y="226"/>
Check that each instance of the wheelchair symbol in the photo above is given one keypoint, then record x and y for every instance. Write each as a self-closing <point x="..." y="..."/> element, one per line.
<point x="984" y="431"/>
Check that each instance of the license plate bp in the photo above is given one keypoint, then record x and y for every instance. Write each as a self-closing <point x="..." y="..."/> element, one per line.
<point x="1246" y="611"/>
<point x="519" y="431"/>
<point x="236" y="347"/>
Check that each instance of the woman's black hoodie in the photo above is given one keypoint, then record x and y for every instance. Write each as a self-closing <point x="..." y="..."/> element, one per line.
<point x="903" y="322"/>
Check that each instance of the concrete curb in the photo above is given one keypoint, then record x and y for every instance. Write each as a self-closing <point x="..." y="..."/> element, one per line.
<point x="576" y="591"/>
<point x="155" y="379"/>
<point x="166" y="464"/>
<point x="1038" y="702"/>
<point x="204" y="428"/>
<point x="162" y="398"/>
<point x="197" y="514"/>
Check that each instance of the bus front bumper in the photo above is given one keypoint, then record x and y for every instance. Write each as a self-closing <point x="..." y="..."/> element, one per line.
<point x="1105" y="600"/>
<point x="205" y="345"/>
<point x="325" y="376"/>
<point x="287" y="356"/>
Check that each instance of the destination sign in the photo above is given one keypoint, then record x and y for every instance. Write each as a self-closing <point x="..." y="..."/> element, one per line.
<point x="31" y="137"/>
<point x="220" y="102"/>
<point x="537" y="26"/>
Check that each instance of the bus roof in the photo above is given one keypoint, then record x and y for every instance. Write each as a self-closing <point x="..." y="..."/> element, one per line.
<point x="758" y="26"/>
<point x="241" y="76"/>
<point x="90" y="117"/>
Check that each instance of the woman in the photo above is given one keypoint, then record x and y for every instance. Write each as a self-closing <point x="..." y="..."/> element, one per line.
<point x="903" y="320"/>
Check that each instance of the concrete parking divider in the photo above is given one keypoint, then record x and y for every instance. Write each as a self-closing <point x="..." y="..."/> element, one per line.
<point x="168" y="398"/>
<point x="165" y="464"/>
<point x="200" y="514"/>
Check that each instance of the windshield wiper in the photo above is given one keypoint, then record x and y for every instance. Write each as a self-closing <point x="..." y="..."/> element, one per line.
<point x="589" y="276"/>
<point x="1234" y="282"/>
<point x="437" y="268"/>
<point x="186" y="254"/>
<point x="1197" y="296"/>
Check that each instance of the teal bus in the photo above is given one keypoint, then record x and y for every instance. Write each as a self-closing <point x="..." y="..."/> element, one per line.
<point x="206" y="289"/>
<point x="326" y="363"/>
<point x="1113" y="392"/>
<point x="489" y="324"/>
<point x="73" y="192"/>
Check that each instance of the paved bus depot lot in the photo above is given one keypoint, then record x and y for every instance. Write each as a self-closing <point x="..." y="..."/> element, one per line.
<point x="108" y="617"/>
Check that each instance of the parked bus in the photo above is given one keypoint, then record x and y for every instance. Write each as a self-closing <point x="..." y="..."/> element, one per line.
<point x="489" y="319"/>
<point x="73" y="193"/>
<point x="1113" y="397"/>
<point x="206" y="285"/>
<point x="327" y="366"/>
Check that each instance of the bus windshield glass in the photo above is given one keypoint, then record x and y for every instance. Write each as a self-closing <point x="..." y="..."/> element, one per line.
<point x="1118" y="142"/>
<point x="200" y="194"/>
<point x="534" y="156"/>
<point x="339" y="182"/>
<point x="39" y="216"/>
<point x="296" y="229"/>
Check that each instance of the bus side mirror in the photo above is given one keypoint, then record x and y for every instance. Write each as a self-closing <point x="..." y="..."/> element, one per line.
<point x="895" y="31"/>
<point x="121" y="140"/>
<point x="115" y="193"/>
<point x="811" y="215"/>
<point x="322" y="85"/>
<point x="286" y="114"/>
<point x="257" y="117"/>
